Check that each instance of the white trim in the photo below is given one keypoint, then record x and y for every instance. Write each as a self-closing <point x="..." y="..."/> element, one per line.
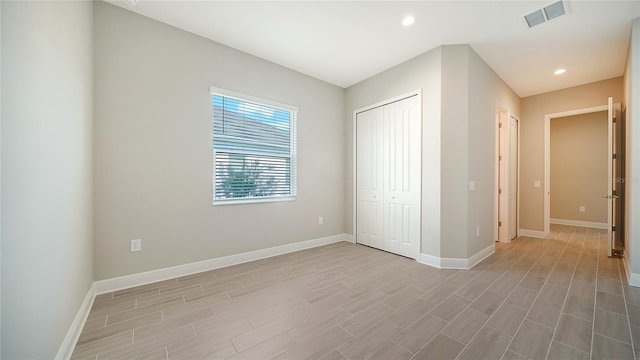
<point x="588" y="224"/>
<point x="533" y="233"/>
<point x="496" y="172"/>
<point x="506" y="238"/>
<point x="354" y="164"/>
<point x="547" y="155"/>
<point x="244" y="97"/>
<point x="71" y="338"/>
<point x="254" y="200"/>
<point x="632" y="278"/>
<point x="350" y="238"/>
<point x="457" y="263"/>
<point x="128" y="281"/>
<point x="476" y="258"/>
<point x="413" y="93"/>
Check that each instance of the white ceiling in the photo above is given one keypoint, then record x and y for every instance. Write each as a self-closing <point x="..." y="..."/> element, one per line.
<point x="344" y="42"/>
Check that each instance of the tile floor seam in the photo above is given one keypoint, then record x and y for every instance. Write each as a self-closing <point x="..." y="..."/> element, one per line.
<point x="612" y="338"/>
<point x="506" y="297"/>
<point x="429" y="342"/>
<point x="467" y="307"/>
<point x="537" y="295"/>
<point x="566" y="296"/>
<point x="404" y="348"/>
<point x="595" y="300"/>
<point x="528" y="261"/>
<point x="626" y="308"/>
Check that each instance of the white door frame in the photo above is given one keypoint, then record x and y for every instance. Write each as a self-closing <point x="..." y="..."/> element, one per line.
<point x="354" y="164"/>
<point x="547" y="156"/>
<point x="517" y="119"/>
<point x="496" y="206"/>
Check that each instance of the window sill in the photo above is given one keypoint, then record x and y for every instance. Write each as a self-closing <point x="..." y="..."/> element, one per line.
<point x="221" y="202"/>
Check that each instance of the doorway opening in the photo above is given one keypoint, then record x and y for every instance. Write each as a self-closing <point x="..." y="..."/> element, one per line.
<point x="573" y="188"/>
<point x="507" y="175"/>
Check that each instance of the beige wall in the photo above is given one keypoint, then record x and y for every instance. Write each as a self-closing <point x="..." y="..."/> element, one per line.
<point x="47" y="260"/>
<point x="459" y="96"/>
<point x="632" y="102"/>
<point x="534" y="109"/>
<point x="579" y="167"/>
<point x="153" y="157"/>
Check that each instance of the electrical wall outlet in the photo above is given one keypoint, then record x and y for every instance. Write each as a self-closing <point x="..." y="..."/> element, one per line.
<point x="536" y="183"/>
<point x="472" y="185"/>
<point x="320" y="220"/>
<point x="477" y="230"/>
<point x="582" y="209"/>
<point x="136" y="245"/>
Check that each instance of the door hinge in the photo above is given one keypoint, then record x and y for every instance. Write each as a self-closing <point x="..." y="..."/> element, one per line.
<point x="614" y="156"/>
<point x="613" y="228"/>
<point x="499" y="223"/>
<point x="500" y="125"/>
<point x="614" y="193"/>
<point x="614" y="120"/>
<point x="499" y="191"/>
<point x="499" y="157"/>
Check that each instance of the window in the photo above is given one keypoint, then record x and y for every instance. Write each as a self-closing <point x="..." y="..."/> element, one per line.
<point x="254" y="149"/>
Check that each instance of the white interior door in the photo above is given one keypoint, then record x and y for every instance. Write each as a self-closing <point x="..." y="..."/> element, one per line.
<point x="618" y="177"/>
<point x="615" y="195"/>
<point x="369" y="177"/>
<point x="611" y="176"/>
<point x="501" y="118"/>
<point x="402" y="176"/>
<point x="513" y="178"/>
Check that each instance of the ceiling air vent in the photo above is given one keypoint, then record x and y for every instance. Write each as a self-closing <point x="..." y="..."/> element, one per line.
<point x="545" y="14"/>
<point x="554" y="10"/>
<point x="535" y="18"/>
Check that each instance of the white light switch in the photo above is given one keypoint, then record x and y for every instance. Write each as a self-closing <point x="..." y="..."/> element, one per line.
<point x="472" y="185"/>
<point x="536" y="183"/>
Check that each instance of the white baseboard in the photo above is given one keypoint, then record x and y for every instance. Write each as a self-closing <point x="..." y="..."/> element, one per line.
<point x="71" y="338"/>
<point x="588" y="224"/>
<point x="350" y="238"/>
<point x="632" y="278"/>
<point x="532" y="233"/>
<point x="128" y="281"/>
<point x="457" y="263"/>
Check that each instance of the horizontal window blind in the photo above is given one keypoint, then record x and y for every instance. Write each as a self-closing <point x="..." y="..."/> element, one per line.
<point x="254" y="149"/>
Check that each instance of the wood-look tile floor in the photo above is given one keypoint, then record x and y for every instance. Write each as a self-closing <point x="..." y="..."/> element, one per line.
<point x="556" y="298"/>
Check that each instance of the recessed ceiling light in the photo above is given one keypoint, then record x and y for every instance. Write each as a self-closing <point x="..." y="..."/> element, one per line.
<point x="408" y="21"/>
<point x="559" y="71"/>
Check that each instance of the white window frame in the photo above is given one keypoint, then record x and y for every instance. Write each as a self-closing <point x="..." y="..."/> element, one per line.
<point x="293" y="146"/>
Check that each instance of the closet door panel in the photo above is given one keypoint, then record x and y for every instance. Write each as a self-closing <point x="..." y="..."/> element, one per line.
<point x="402" y="176"/>
<point x="369" y="178"/>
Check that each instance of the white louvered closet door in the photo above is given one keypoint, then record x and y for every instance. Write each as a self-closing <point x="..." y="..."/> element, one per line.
<point x="397" y="158"/>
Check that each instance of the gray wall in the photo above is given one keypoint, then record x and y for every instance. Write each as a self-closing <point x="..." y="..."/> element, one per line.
<point x="454" y="151"/>
<point x="47" y="260"/>
<point x="486" y="90"/>
<point x="631" y="86"/>
<point x="153" y="157"/>
<point x="458" y="144"/>
<point x="422" y="72"/>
